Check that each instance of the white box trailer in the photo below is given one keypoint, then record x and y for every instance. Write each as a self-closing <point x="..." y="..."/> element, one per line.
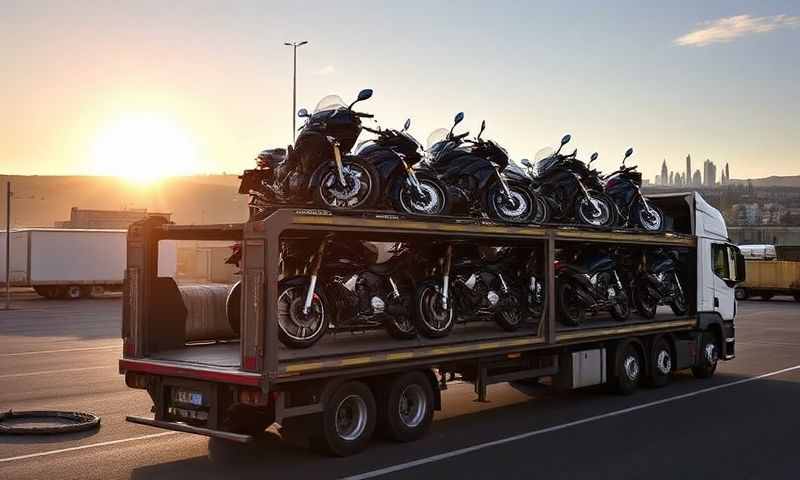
<point x="72" y="263"/>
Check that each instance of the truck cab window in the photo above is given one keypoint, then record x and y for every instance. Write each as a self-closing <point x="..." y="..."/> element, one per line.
<point x="719" y="253"/>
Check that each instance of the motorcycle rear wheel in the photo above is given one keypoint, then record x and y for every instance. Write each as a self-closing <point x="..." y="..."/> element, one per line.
<point x="678" y="305"/>
<point x="543" y="211"/>
<point x="362" y="189"/>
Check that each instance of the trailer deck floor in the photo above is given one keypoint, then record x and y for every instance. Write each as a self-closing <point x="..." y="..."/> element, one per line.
<point x="221" y="355"/>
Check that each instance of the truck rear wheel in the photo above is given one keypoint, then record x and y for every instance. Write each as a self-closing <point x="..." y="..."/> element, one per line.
<point x="741" y="294"/>
<point x="627" y="369"/>
<point x="661" y="363"/>
<point x="348" y="422"/>
<point x="406" y="411"/>
<point x="709" y="356"/>
<point x="73" y="292"/>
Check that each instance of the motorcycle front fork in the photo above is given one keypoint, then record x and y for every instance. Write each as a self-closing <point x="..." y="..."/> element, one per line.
<point x="412" y="178"/>
<point x="337" y="156"/>
<point x="312" y="284"/>
<point x="586" y="194"/>
<point x="448" y="259"/>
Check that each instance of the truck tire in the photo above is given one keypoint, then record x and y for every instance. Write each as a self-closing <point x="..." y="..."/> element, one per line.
<point x="348" y="422"/>
<point x="42" y="291"/>
<point x="97" y="291"/>
<point x="766" y="296"/>
<point x="406" y="408"/>
<point x="741" y="294"/>
<point x="627" y="369"/>
<point x="661" y="363"/>
<point x="709" y="356"/>
<point x="73" y="292"/>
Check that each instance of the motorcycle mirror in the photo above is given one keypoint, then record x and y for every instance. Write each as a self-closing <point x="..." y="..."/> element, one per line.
<point x="407" y="125"/>
<point x="362" y="95"/>
<point x="593" y="157"/>
<point x="565" y="139"/>
<point x="459" y="117"/>
<point x="483" y="127"/>
<point x="303" y="113"/>
<point x="628" y="153"/>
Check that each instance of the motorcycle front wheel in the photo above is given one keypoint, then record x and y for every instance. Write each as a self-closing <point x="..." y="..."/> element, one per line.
<point x="297" y="329"/>
<point x="572" y="312"/>
<point x="651" y="220"/>
<point x="598" y="210"/>
<point x="361" y="189"/>
<point x="432" y="319"/>
<point x="430" y="199"/>
<point x="519" y="208"/>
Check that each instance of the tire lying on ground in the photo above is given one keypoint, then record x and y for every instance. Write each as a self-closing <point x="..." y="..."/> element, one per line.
<point x="62" y="422"/>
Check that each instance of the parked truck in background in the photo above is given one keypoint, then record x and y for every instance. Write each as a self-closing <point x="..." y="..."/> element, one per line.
<point x="72" y="263"/>
<point x="337" y="391"/>
<point x="771" y="270"/>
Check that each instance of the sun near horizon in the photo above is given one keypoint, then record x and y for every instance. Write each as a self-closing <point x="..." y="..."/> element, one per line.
<point x="143" y="148"/>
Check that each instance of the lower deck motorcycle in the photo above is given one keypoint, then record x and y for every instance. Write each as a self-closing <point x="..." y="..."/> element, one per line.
<point x="474" y="283"/>
<point x="658" y="282"/>
<point x="589" y="282"/>
<point x="624" y="187"/>
<point x="346" y="288"/>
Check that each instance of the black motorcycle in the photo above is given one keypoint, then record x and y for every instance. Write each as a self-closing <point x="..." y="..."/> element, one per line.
<point x="572" y="189"/>
<point x="393" y="154"/>
<point x="317" y="168"/>
<point x="474" y="283"/>
<point x="471" y="169"/>
<point x="345" y="287"/>
<point x="590" y="283"/>
<point x="657" y="282"/>
<point x="623" y="186"/>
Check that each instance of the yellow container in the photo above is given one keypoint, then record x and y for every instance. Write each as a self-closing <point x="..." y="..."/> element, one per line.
<point x="772" y="274"/>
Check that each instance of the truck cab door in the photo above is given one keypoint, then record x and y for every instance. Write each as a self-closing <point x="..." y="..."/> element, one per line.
<point x="727" y="267"/>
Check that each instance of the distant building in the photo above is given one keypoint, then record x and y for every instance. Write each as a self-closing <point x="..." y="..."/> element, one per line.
<point x="112" y="219"/>
<point x="688" y="176"/>
<point x="697" y="179"/>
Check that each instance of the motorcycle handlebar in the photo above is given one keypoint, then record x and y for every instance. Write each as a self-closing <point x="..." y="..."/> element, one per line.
<point x="364" y="115"/>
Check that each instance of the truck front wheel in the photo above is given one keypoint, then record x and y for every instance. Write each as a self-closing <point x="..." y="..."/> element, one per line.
<point x="406" y="411"/>
<point x="348" y="421"/>
<point x="709" y="355"/>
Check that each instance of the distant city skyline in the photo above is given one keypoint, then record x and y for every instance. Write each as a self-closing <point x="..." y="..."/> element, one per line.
<point x="706" y="178"/>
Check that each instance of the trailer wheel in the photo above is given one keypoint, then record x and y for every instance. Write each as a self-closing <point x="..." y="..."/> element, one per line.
<point x="627" y="369"/>
<point x="348" y="421"/>
<point x="53" y="292"/>
<point x="741" y="294"/>
<point x="661" y="363"/>
<point x="97" y="291"/>
<point x="709" y="356"/>
<point x="406" y="411"/>
<point x="766" y="297"/>
<point x="42" y="291"/>
<point x="73" y="292"/>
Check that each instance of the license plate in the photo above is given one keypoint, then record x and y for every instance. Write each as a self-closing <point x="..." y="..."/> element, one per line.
<point x="193" y="398"/>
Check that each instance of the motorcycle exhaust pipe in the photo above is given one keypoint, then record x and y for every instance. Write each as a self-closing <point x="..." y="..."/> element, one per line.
<point x="312" y="284"/>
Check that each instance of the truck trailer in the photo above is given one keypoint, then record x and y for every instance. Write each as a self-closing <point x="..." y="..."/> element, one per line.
<point x="72" y="263"/>
<point x="336" y="391"/>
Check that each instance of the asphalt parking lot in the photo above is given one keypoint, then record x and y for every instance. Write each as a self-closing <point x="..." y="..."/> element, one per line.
<point x="740" y="424"/>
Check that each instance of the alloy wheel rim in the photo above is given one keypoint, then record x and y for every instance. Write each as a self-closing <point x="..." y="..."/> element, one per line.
<point x="353" y="195"/>
<point x="519" y="205"/>
<point x="413" y="405"/>
<point x="650" y="219"/>
<point x="290" y="315"/>
<point x="434" y="316"/>
<point x="351" y="417"/>
<point x="431" y="202"/>
<point x="595" y="218"/>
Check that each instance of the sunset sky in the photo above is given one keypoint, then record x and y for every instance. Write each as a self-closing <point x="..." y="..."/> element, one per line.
<point x="149" y="88"/>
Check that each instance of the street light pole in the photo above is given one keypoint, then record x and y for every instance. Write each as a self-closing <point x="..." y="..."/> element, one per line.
<point x="8" y="245"/>
<point x="294" y="46"/>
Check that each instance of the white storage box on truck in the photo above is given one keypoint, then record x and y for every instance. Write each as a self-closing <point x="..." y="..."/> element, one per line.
<point x="72" y="263"/>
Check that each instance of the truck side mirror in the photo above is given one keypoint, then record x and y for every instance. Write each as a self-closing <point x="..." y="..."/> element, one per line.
<point x="741" y="270"/>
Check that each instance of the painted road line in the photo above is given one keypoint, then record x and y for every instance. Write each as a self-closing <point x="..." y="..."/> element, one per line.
<point x="522" y="436"/>
<point x="63" y="350"/>
<point x="84" y="447"/>
<point x="63" y="370"/>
